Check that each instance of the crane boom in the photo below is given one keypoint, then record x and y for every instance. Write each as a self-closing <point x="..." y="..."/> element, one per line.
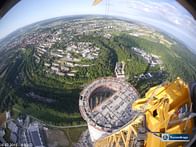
<point x="96" y="2"/>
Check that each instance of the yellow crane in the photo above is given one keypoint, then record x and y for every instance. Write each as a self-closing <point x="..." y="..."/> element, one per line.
<point x="166" y="108"/>
<point x="96" y="2"/>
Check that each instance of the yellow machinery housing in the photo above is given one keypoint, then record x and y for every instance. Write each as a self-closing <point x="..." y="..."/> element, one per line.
<point x="165" y="109"/>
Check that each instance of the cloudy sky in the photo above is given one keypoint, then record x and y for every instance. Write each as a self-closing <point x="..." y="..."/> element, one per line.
<point x="167" y="15"/>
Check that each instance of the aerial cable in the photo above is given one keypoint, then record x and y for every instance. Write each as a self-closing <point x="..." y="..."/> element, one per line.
<point x="107" y="7"/>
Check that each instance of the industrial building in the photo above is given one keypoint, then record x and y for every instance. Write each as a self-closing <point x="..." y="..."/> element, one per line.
<point x="106" y="105"/>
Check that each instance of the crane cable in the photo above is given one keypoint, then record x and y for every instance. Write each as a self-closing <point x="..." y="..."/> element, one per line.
<point x="107" y="8"/>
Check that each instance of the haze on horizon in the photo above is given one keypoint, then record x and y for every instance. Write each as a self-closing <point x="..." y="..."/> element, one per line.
<point x="167" y="15"/>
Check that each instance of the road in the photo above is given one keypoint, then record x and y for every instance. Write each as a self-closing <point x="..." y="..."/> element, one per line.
<point x="50" y="125"/>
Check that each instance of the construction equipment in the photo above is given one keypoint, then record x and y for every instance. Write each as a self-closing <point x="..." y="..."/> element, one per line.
<point x="166" y="108"/>
<point x="96" y="2"/>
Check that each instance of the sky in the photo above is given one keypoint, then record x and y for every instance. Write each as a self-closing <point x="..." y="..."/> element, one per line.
<point x="166" y="15"/>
